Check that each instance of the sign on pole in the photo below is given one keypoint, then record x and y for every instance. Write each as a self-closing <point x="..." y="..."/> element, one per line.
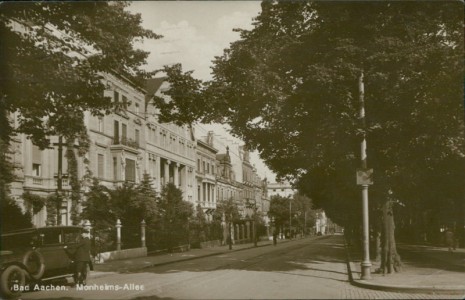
<point x="364" y="176"/>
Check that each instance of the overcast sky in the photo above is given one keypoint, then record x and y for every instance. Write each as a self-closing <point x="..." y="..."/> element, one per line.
<point x="194" y="32"/>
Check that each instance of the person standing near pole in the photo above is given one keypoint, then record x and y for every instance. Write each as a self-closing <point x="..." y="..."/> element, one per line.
<point x="450" y="239"/>
<point x="82" y="258"/>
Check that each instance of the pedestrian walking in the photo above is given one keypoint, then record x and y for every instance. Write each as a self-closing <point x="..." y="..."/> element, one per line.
<point x="450" y="239"/>
<point x="81" y="258"/>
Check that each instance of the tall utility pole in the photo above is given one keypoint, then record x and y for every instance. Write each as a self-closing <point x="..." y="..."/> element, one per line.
<point x="364" y="182"/>
<point x="290" y="216"/>
<point x="59" y="178"/>
<point x="253" y="223"/>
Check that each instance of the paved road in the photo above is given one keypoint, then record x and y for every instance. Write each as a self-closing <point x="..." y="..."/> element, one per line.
<point x="312" y="268"/>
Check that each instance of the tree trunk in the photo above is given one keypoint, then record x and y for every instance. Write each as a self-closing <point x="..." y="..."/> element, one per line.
<point x="378" y="246"/>
<point x="390" y="259"/>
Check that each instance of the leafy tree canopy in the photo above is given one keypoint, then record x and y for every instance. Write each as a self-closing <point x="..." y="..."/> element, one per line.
<point x="53" y="61"/>
<point x="289" y="88"/>
<point x="12" y="216"/>
<point x="229" y="209"/>
<point x="279" y="209"/>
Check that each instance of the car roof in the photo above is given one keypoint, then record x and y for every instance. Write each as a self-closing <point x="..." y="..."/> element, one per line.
<point x="37" y="229"/>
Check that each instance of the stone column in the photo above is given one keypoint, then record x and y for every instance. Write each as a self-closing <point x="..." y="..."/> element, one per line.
<point x="176" y="174"/>
<point x="201" y="193"/>
<point x="167" y="172"/>
<point x="158" y="173"/>
<point x="248" y="229"/>
<point x="147" y="163"/>
<point x="214" y="195"/>
<point x="243" y="231"/>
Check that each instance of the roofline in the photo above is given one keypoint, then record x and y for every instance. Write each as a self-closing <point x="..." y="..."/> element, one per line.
<point x="207" y="146"/>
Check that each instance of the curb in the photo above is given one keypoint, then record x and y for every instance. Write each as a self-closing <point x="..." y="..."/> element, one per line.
<point x="454" y="290"/>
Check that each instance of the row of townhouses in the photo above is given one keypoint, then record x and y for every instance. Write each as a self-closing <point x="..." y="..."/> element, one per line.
<point x="130" y="142"/>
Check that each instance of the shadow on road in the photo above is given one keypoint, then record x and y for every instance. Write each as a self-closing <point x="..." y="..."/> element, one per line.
<point x="433" y="258"/>
<point x="318" y="260"/>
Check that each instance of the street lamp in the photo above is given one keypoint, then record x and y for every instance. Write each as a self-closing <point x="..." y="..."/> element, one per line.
<point x="364" y="178"/>
<point x="253" y="217"/>
<point x="290" y="217"/>
<point x="59" y="178"/>
<point x="254" y="225"/>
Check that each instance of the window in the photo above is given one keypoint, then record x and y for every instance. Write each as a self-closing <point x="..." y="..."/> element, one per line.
<point x="36" y="170"/>
<point x="100" y="124"/>
<point x="70" y="235"/>
<point x="198" y="164"/>
<point x="137" y="108"/>
<point x="136" y="133"/>
<point x="100" y="168"/>
<point x="115" y="168"/>
<point x="125" y="102"/>
<point x="130" y="171"/>
<point x="116" y="133"/>
<point x="204" y="167"/>
<point x="124" y="133"/>
<point x="208" y="168"/>
<point x="51" y="237"/>
<point x="116" y="97"/>
<point x="36" y="161"/>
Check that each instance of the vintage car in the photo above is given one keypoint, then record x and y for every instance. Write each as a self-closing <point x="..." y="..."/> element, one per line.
<point x="29" y="256"/>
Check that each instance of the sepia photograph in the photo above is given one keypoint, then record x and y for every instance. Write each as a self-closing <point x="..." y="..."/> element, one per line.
<point x="232" y="149"/>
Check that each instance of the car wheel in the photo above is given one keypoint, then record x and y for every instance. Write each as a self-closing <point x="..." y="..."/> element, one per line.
<point x="34" y="262"/>
<point x="11" y="280"/>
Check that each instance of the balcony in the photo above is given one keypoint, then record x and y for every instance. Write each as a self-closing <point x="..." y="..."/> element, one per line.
<point x="37" y="181"/>
<point x="43" y="182"/>
<point x="126" y="144"/>
<point x="208" y="204"/>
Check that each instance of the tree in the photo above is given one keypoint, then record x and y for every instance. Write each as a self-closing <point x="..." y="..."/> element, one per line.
<point x="198" y="227"/>
<point x="53" y="64"/>
<point x="130" y="203"/>
<point x="33" y="202"/>
<point x="144" y="205"/>
<point x="302" y="213"/>
<point x="227" y="209"/>
<point x="98" y="209"/>
<point x="174" y="217"/>
<point x="12" y="216"/>
<point x="279" y="210"/>
<point x="289" y="88"/>
<point x="55" y="56"/>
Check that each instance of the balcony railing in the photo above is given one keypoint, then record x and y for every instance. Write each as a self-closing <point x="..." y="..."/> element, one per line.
<point x="126" y="142"/>
<point x="37" y="181"/>
<point x="31" y="180"/>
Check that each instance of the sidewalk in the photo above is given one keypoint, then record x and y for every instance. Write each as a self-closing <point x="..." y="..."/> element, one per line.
<point x="134" y="264"/>
<point x="426" y="269"/>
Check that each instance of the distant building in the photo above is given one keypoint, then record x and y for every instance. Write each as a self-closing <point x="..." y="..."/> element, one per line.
<point x="283" y="189"/>
<point x="206" y="173"/>
<point x="321" y="223"/>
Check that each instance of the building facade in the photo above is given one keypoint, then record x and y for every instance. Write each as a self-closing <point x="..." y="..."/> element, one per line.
<point x="206" y="173"/>
<point x="130" y="142"/>
<point x="283" y="189"/>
